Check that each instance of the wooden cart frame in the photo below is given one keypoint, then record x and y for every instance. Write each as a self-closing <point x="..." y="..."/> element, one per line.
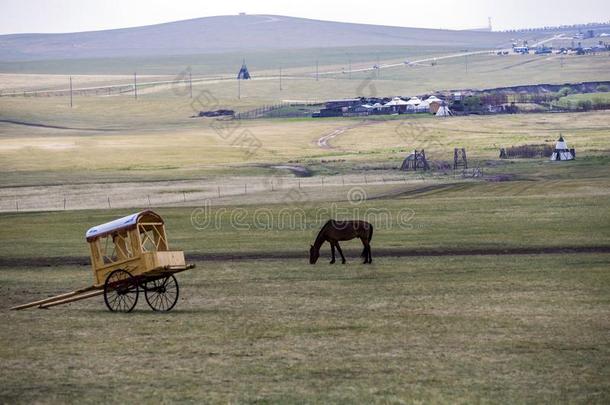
<point x="128" y="256"/>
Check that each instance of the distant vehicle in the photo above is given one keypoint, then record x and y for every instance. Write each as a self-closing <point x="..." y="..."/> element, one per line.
<point x="543" y="51"/>
<point x="521" y="49"/>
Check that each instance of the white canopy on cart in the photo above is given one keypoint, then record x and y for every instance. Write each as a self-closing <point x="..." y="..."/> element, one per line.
<point x="120" y="224"/>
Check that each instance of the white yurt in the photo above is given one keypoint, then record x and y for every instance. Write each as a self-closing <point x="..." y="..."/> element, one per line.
<point x="414" y="101"/>
<point x="561" y="151"/>
<point x="396" y="101"/>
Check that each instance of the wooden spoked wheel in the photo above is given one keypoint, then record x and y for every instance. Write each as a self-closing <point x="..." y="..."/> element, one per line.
<point x="162" y="294"/>
<point x="121" y="291"/>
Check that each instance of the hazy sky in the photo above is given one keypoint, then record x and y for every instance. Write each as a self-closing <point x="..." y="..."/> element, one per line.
<point x="19" y="16"/>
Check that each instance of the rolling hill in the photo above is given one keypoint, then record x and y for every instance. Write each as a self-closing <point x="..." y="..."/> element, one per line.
<point x="231" y="34"/>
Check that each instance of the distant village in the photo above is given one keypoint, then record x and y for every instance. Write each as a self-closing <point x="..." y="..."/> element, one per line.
<point x="507" y="100"/>
<point x="378" y="106"/>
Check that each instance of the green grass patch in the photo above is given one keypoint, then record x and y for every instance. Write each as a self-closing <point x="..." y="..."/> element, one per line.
<point x="462" y="329"/>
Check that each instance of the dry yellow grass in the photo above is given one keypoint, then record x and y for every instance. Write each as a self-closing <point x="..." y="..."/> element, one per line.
<point x="39" y="149"/>
<point x="483" y="136"/>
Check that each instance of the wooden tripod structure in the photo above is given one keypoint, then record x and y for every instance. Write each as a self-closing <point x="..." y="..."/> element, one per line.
<point x="416" y="160"/>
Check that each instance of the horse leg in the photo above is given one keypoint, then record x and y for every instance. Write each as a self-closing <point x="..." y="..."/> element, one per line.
<point x="332" y="250"/>
<point x="365" y="251"/>
<point x="341" y="253"/>
<point x="370" y="254"/>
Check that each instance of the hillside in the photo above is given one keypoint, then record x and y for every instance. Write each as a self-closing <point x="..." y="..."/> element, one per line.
<point x="231" y="34"/>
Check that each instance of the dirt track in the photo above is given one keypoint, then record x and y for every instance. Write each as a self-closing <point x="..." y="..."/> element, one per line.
<point x="323" y="140"/>
<point x="33" y="124"/>
<point x="351" y="255"/>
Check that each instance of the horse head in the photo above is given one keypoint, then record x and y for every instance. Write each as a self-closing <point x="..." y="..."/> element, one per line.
<point x="314" y="254"/>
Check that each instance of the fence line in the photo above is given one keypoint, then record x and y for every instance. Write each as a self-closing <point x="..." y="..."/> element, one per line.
<point x="63" y="202"/>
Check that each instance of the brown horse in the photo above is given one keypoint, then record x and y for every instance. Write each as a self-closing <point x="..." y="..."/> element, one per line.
<point x="335" y="231"/>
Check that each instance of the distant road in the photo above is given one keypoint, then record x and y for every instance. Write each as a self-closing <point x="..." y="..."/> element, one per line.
<point x="431" y="59"/>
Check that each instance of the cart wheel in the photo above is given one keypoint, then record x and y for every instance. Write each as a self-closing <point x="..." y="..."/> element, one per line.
<point x="120" y="291"/>
<point x="162" y="294"/>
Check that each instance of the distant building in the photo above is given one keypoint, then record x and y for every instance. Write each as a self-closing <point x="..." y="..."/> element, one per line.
<point x="337" y="108"/>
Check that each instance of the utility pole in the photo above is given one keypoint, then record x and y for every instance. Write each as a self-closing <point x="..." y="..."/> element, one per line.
<point x="191" y="83"/>
<point x="135" y="85"/>
<point x="71" y="92"/>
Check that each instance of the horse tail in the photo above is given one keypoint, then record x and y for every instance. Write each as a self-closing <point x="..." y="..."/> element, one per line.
<point x="370" y="232"/>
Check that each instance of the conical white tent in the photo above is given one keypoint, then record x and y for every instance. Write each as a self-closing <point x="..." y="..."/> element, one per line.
<point x="561" y="151"/>
<point x="443" y="111"/>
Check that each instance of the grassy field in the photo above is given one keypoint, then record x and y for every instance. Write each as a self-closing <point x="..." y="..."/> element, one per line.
<point x="510" y="215"/>
<point x="574" y="100"/>
<point x="463" y="304"/>
<point x="298" y="82"/>
<point x="459" y="328"/>
<point x="195" y="149"/>
<point x="444" y="330"/>
<point x="295" y="60"/>
<point x="509" y="328"/>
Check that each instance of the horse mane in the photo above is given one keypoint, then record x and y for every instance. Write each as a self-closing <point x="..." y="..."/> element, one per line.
<point x="319" y="237"/>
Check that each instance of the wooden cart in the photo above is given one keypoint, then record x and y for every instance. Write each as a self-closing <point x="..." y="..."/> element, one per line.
<point x="129" y="256"/>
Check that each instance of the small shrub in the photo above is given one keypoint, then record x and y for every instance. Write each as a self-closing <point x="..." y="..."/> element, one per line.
<point x="585" y="105"/>
<point x="528" y="151"/>
<point x="565" y="91"/>
<point x="602" y="88"/>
